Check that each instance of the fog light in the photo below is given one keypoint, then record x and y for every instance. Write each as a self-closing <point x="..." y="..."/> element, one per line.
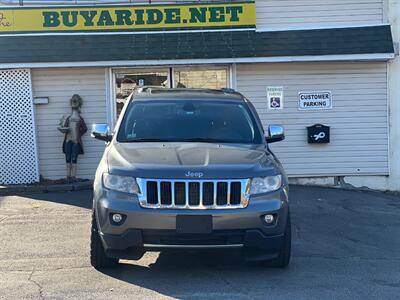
<point x="269" y="219"/>
<point x="116" y="218"/>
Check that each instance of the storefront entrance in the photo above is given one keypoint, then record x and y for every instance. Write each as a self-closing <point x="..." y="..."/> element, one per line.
<point x="128" y="79"/>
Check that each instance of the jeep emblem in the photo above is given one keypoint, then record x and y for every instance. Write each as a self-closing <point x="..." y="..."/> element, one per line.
<point x="194" y="174"/>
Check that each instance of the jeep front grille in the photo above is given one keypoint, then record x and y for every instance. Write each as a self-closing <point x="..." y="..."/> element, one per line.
<point x="193" y="194"/>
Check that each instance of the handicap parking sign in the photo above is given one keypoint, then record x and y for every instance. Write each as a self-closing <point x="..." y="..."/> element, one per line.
<point x="275" y="97"/>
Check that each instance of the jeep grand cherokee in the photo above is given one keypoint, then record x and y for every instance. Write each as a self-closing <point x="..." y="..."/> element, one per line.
<point x="189" y="169"/>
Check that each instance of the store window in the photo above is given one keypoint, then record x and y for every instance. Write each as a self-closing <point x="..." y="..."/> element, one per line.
<point x="127" y="80"/>
<point x="201" y="78"/>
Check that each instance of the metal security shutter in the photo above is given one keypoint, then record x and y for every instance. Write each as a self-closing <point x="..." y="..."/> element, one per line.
<point x="358" y="119"/>
<point x="18" y="157"/>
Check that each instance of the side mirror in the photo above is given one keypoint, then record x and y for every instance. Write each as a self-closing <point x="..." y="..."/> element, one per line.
<point x="275" y="134"/>
<point x="101" y="132"/>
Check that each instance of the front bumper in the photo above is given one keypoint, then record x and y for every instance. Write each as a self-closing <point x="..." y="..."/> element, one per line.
<point x="155" y="229"/>
<point x="256" y="245"/>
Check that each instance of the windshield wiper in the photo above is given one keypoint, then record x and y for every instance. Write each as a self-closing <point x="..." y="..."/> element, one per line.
<point x="148" y="140"/>
<point x="191" y="140"/>
<point x="207" y="140"/>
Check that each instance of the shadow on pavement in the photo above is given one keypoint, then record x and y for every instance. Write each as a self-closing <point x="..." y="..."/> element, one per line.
<point x="80" y="199"/>
<point x="200" y="275"/>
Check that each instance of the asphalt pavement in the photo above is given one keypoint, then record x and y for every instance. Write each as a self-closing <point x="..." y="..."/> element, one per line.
<point x="346" y="245"/>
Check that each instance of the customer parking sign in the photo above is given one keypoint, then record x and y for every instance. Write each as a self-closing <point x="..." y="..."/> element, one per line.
<point x="315" y="100"/>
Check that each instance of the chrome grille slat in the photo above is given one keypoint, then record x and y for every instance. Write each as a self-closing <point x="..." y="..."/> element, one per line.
<point x="173" y="193"/>
<point x="228" y="200"/>
<point x="201" y="194"/>
<point x="159" y="192"/>
<point x="191" y="188"/>
<point x="215" y="193"/>
<point x="187" y="193"/>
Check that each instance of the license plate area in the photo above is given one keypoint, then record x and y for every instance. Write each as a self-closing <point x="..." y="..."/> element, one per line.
<point x="194" y="224"/>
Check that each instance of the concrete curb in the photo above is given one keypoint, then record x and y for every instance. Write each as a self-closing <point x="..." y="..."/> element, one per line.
<point x="349" y="188"/>
<point x="39" y="188"/>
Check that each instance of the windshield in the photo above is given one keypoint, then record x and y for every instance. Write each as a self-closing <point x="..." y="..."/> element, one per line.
<point x="189" y="121"/>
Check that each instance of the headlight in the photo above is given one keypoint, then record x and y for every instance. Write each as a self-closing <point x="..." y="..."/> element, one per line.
<point x="267" y="184"/>
<point x="120" y="183"/>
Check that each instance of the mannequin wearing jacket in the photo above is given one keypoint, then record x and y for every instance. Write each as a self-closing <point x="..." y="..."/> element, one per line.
<point x="74" y="128"/>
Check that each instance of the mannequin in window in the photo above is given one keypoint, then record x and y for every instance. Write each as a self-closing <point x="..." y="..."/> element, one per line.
<point x="74" y="128"/>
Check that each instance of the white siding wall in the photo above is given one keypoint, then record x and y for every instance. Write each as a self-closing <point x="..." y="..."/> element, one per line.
<point x="291" y="14"/>
<point x="59" y="85"/>
<point x="358" y="120"/>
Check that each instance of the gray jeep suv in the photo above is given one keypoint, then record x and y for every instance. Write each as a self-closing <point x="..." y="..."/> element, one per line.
<point x="189" y="169"/>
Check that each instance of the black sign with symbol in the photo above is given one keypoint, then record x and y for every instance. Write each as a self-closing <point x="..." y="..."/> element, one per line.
<point x="275" y="102"/>
<point x="318" y="134"/>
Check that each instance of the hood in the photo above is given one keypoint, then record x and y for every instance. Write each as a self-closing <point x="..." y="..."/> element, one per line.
<point x="190" y="160"/>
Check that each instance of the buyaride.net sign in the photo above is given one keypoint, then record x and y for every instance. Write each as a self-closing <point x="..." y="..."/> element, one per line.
<point x="119" y="18"/>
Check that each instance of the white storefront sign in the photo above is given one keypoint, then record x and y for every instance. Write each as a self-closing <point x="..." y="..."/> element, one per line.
<point x="275" y="97"/>
<point x="315" y="100"/>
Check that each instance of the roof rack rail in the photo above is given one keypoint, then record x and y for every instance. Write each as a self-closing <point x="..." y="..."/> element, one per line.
<point x="160" y="89"/>
<point x="148" y="88"/>
<point x="229" y="91"/>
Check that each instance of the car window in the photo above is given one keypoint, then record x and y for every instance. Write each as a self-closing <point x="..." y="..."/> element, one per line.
<point x="189" y="121"/>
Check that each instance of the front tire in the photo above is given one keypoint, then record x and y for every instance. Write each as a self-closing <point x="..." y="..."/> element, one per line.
<point x="98" y="257"/>
<point x="283" y="260"/>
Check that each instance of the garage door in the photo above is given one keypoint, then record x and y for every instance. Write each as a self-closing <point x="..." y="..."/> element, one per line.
<point x="358" y="118"/>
